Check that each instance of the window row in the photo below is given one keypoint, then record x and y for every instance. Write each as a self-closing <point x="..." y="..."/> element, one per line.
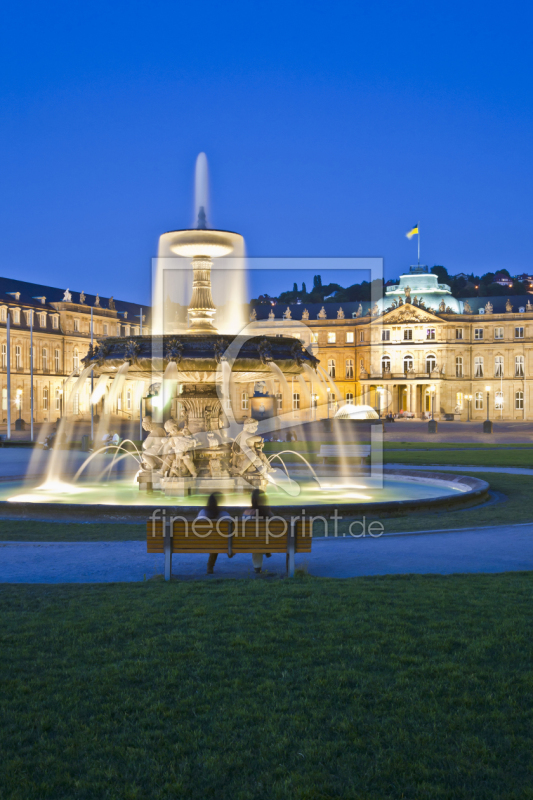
<point x="479" y="367"/>
<point x="408" y="363"/>
<point x="479" y="400"/>
<point x="45" y="362"/>
<point x="332" y="337"/>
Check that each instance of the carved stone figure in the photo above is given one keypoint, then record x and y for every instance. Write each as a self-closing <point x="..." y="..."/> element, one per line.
<point x="287" y="313"/>
<point x="97" y="301"/>
<point x="111" y="304"/>
<point x="359" y="311"/>
<point x="442" y="307"/>
<point x="400" y="302"/>
<point x="407" y="294"/>
<point x="67" y="297"/>
<point x="322" y="313"/>
<point x="529" y="307"/>
<point x="271" y="314"/>
<point x="82" y="298"/>
<point x="176" y="450"/>
<point x="375" y="310"/>
<point x="508" y="305"/>
<point x="253" y="315"/>
<point x="340" y="314"/>
<point x="247" y="454"/>
<point x="415" y="300"/>
<point x="488" y="308"/>
<point x="305" y="314"/>
<point x="153" y="444"/>
<point x="466" y="308"/>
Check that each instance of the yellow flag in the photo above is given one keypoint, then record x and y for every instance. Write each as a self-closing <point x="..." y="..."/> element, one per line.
<point x="412" y="232"/>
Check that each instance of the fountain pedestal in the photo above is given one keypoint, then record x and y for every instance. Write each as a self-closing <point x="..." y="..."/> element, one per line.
<point x="183" y="487"/>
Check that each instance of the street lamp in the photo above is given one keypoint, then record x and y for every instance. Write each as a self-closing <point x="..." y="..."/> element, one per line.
<point x="432" y="424"/>
<point x="487" y="425"/>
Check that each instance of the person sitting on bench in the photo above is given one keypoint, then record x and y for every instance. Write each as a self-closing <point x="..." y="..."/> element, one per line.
<point x="213" y="512"/>
<point x="259" y="508"/>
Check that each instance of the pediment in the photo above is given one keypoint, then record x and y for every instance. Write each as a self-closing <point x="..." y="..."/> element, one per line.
<point x="408" y="313"/>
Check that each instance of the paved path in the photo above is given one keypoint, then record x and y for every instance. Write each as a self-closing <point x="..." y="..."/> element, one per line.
<point x="451" y="468"/>
<point x="495" y="549"/>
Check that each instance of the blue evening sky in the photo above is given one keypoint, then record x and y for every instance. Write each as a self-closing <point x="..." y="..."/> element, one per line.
<point x="330" y="129"/>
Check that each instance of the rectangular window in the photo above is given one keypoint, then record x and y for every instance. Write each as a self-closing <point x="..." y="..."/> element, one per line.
<point x="478" y="333"/>
<point x="42" y="320"/>
<point x="106" y="329"/>
<point x="479" y="401"/>
<point x="518" y="333"/>
<point x="56" y="361"/>
<point x="498" y="333"/>
<point x="459" y="399"/>
<point x="244" y="401"/>
<point x="279" y="401"/>
<point x="498" y="400"/>
<point x="314" y="337"/>
<point x="408" y="333"/>
<point x="118" y="330"/>
<point x="430" y="333"/>
<point x="361" y="336"/>
<point x="76" y="325"/>
<point x="519" y="401"/>
<point x="349" y="368"/>
<point x="45" y="359"/>
<point x="385" y="336"/>
<point x="16" y="315"/>
<point x="295" y="401"/>
<point x="4" y="356"/>
<point x="458" y="333"/>
<point x="18" y="357"/>
<point x="55" y="322"/>
<point x="349" y="337"/>
<point x="4" y="399"/>
<point x="3" y="314"/>
<point x="45" y="398"/>
<point x="332" y="337"/>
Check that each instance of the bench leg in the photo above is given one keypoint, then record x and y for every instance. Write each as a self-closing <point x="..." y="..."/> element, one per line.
<point x="168" y="551"/>
<point x="291" y="547"/>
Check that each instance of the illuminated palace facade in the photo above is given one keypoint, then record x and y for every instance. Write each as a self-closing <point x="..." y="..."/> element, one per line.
<point x="420" y="349"/>
<point x="61" y="338"/>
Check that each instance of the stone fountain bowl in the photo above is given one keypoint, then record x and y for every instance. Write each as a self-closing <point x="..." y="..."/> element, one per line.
<point x="200" y="354"/>
<point x="200" y="242"/>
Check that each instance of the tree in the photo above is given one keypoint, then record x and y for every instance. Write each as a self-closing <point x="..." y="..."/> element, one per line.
<point x="441" y="272"/>
<point x="317" y="282"/>
<point x="295" y="288"/>
<point x="304" y="288"/>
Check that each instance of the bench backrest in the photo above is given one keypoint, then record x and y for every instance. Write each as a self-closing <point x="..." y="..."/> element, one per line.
<point x="223" y="536"/>
<point x="350" y="450"/>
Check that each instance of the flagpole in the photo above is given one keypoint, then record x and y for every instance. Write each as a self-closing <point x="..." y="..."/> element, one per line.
<point x="418" y="226"/>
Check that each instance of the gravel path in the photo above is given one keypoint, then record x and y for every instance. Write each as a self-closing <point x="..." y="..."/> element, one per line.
<point x="494" y="549"/>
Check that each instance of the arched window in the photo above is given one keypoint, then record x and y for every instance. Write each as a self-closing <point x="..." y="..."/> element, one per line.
<point x="478" y="367"/>
<point x="408" y="363"/>
<point x="385" y="363"/>
<point x="519" y="401"/>
<point x="479" y="401"/>
<point x="331" y="367"/>
<point x="57" y="362"/>
<point x="18" y="357"/>
<point x="4" y="356"/>
<point x="459" y="367"/>
<point x="45" y="398"/>
<point x="349" y="397"/>
<point x="519" y="367"/>
<point x="45" y="359"/>
<point x="349" y="367"/>
<point x="498" y="367"/>
<point x="58" y="399"/>
<point x="431" y="363"/>
<point x="76" y="360"/>
<point x="244" y="401"/>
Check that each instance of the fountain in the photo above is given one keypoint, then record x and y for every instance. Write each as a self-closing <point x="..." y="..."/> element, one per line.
<point x="195" y="371"/>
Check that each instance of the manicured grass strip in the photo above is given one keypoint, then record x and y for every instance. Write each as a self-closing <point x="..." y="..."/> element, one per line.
<point x="415" y="687"/>
<point x="473" y="458"/>
<point x="32" y="531"/>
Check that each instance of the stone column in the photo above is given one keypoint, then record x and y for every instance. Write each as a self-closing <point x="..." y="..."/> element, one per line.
<point x="409" y="387"/>
<point x="201" y="308"/>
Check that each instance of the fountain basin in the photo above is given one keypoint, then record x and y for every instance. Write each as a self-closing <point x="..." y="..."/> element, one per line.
<point x="404" y="492"/>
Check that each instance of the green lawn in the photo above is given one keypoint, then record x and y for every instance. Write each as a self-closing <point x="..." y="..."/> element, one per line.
<point x="413" y="687"/>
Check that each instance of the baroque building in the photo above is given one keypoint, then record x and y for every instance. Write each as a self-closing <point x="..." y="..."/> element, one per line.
<point x="61" y="339"/>
<point x="420" y="349"/>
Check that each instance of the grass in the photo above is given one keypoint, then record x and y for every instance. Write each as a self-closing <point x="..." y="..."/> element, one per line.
<point x="514" y="506"/>
<point x="413" y="687"/>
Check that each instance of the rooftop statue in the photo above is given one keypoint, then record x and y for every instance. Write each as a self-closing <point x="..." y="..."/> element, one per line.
<point x="82" y="298"/>
<point x="111" y="304"/>
<point x="322" y="313"/>
<point x="305" y="314"/>
<point x="508" y="305"/>
<point x="67" y="297"/>
<point x="466" y="308"/>
<point x="97" y="301"/>
<point x="359" y="311"/>
<point x="253" y="315"/>
<point x="340" y="314"/>
<point x="287" y="313"/>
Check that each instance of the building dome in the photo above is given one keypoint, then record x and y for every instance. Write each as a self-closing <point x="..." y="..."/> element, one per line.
<point x="423" y="285"/>
<point x="350" y="411"/>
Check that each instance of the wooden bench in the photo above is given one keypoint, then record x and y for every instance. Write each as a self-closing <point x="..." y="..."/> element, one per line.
<point x="176" y="534"/>
<point x="450" y="416"/>
<point x="348" y="451"/>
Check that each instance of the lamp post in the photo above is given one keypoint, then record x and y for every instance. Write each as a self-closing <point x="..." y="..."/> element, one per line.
<point x="432" y="424"/>
<point x="468" y="398"/>
<point x="487" y="425"/>
<point x="380" y="391"/>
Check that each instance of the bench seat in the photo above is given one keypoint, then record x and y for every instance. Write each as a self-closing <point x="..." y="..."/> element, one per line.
<point x="347" y="451"/>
